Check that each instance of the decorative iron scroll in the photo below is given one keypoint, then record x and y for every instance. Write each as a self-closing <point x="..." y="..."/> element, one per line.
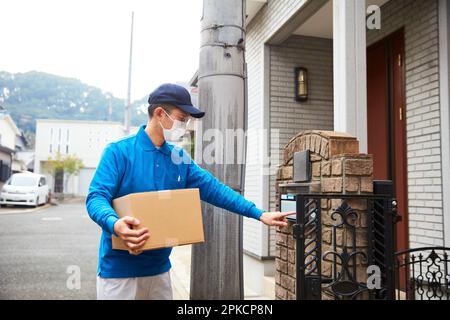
<point x="415" y="274"/>
<point x="308" y="232"/>
<point x="423" y="274"/>
<point x="344" y="283"/>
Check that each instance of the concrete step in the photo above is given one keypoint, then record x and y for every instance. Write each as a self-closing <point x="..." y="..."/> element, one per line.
<point x="269" y="287"/>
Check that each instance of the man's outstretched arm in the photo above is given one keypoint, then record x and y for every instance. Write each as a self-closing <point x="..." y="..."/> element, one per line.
<point x="220" y="195"/>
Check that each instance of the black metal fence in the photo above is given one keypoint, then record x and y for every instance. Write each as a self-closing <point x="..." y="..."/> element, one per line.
<point x="422" y="274"/>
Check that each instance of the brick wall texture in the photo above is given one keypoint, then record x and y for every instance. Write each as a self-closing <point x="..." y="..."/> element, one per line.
<point x="337" y="167"/>
<point x="419" y="18"/>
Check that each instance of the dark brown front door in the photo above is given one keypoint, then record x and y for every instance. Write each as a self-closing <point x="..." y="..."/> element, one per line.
<point x="386" y="121"/>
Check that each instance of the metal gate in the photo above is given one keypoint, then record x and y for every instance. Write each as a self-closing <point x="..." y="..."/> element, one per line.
<point x="343" y="282"/>
<point x="421" y="273"/>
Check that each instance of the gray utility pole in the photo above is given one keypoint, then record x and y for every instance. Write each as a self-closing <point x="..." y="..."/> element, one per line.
<point x="216" y="269"/>
<point x="127" y="116"/>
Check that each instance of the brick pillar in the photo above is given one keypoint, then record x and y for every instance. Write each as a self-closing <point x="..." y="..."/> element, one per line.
<point x="337" y="167"/>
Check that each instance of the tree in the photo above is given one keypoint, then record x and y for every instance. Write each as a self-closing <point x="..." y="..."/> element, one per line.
<point x="37" y="95"/>
<point x="188" y="143"/>
<point x="70" y="165"/>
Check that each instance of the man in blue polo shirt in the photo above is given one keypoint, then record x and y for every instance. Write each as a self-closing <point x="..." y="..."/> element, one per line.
<point x="145" y="162"/>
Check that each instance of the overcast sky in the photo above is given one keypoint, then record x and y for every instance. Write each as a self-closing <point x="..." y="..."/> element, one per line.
<point x="89" y="40"/>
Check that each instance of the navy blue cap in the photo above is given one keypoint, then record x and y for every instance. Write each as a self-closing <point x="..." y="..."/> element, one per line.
<point x="175" y="95"/>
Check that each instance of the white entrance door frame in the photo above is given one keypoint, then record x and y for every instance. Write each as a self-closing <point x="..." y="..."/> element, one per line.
<point x="350" y="83"/>
<point x="444" y="65"/>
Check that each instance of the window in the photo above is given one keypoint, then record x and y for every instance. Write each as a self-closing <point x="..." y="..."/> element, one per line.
<point x="22" y="181"/>
<point x="51" y="141"/>
<point x="42" y="182"/>
<point x="59" y="140"/>
<point x="67" y="141"/>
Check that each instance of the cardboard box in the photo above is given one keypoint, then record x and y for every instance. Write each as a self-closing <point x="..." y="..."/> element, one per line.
<point x="173" y="217"/>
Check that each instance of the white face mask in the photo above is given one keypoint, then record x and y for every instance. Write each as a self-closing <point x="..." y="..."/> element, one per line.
<point x="177" y="131"/>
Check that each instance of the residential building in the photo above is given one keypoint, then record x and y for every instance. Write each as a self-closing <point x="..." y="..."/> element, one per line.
<point x="22" y="156"/>
<point x="9" y="134"/>
<point x="376" y="69"/>
<point x="84" y="139"/>
<point x="26" y="160"/>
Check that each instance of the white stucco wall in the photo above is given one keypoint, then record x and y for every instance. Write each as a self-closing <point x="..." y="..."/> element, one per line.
<point x="85" y="139"/>
<point x="8" y="132"/>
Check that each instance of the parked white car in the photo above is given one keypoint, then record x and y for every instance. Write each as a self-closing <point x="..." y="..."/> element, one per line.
<point x="29" y="189"/>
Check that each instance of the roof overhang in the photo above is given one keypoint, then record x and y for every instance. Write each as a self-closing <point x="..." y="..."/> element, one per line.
<point x="11" y="123"/>
<point x="6" y="150"/>
<point x="252" y="7"/>
<point x="320" y="23"/>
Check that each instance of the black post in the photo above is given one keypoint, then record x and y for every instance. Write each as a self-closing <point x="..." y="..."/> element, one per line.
<point x="299" y="235"/>
<point x="386" y="226"/>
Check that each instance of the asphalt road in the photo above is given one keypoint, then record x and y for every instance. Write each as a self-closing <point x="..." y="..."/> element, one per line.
<point x="48" y="253"/>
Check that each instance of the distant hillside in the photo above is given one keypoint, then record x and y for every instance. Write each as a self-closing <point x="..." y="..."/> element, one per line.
<point x="37" y="95"/>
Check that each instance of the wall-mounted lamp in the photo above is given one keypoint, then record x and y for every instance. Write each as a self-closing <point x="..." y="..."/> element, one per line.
<point x="301" y="84"/>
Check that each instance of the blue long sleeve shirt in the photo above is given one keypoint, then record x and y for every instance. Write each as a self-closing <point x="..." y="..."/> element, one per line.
<point x="133" y="164"/>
